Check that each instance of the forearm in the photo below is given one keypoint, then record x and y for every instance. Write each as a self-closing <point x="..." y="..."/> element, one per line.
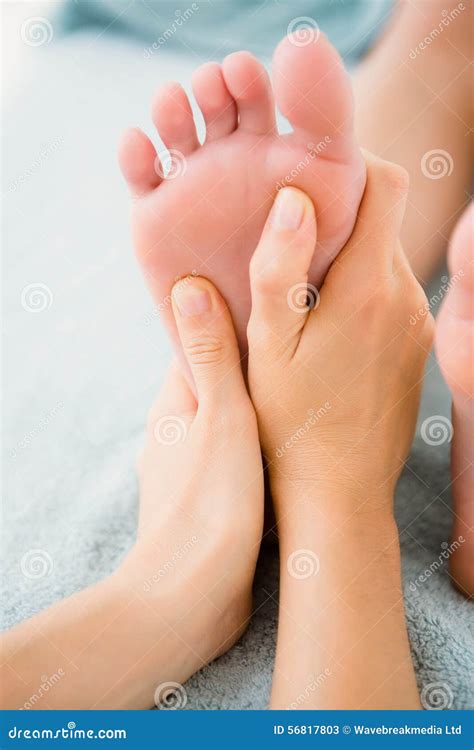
<point x="342" y="639"/>
<point x="105" y="647"/>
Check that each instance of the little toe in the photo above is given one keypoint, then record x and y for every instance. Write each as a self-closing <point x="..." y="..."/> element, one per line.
<point x="174" y="119"/>
<point x="249" y="84"/>
<point x="312" y="87"/>
<point x="217" y="105"/>
<point x="138" y="161"/>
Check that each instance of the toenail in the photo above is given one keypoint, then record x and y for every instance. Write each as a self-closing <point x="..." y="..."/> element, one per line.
<point x="288" y="210"/>
<point x="190" y="299"/>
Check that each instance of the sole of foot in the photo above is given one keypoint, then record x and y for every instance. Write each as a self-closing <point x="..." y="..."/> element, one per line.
<point x="205" y="214"/>
<point x="455" y="351"/>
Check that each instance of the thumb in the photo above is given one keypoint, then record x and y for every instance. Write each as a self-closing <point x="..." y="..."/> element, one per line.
<point x="208" y="339"/>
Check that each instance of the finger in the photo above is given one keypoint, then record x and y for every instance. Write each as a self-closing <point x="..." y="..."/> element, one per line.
<point x="208" y="339"/>
<point x="281" y="295"/>
<point x="368" y="255"/>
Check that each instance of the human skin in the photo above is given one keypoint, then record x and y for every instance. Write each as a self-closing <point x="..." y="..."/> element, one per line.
<point x="192" y="614"/>
<point x="342" y="640"/>
<point x="183" y="595"/>
<point x="414" y="106"/>
<point x="208" y="214"/>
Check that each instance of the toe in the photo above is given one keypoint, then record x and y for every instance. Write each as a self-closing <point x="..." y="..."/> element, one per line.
<point x="249" y="84"/>
<point x="312" y="88"/>
<point x="174" y="119"/>
<point x="216" y="104"/>
<point x="138" y="160"/>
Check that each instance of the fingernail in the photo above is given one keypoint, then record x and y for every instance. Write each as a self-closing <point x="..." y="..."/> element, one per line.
<point x="288" y="210"/>
<point x="191" y="299"/>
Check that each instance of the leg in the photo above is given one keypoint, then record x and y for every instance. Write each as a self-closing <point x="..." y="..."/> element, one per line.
<point x="413" y="96"/>
<point x="455" y="350"/>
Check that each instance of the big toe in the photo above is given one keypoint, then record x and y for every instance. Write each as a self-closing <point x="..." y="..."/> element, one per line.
<point x="312" y="88"/>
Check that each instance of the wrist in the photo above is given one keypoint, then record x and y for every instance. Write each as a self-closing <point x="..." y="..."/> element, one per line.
<point x="320" y="507"/>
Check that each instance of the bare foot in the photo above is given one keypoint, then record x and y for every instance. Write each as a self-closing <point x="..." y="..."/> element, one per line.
<point x="455" y="350"/>
<point x="208" y="214"/>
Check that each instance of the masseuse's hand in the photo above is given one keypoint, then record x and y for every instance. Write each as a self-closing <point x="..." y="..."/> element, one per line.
<point x="183" y="594"/>
<point x="336" y="391"/>
<point x="337" y="397"/>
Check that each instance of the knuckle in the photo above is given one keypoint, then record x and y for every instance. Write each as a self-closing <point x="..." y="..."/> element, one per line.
<point x="208" y="350"/>
<point x="237" y="418"/>
<point x="392" y="175"/>
<point x="397" y="177"/>
<point x="265" y="278"/>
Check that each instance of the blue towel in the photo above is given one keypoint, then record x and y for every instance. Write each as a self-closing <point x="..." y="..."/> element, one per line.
<point x="210" y="29"/>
